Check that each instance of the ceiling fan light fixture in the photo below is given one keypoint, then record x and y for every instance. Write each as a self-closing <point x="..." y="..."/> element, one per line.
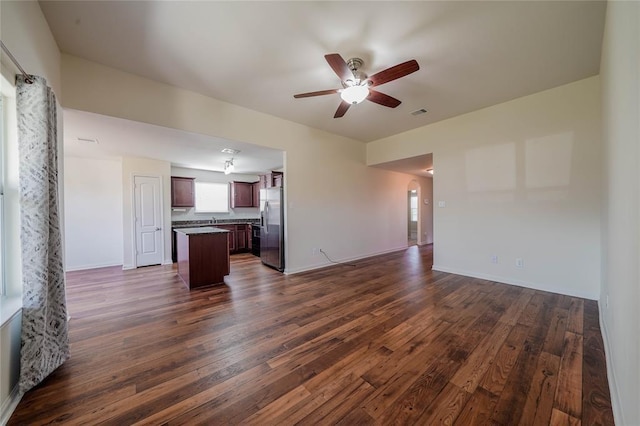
<point x="229" y="167"/>
<point x="354" y="94"/>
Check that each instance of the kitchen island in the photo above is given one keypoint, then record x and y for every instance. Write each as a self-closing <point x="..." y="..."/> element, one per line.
<point x="203" y="255"/>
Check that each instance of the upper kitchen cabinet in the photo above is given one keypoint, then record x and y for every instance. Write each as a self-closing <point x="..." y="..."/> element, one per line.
<point x="241" y="194"/>
<point x="183" y="192"/>
<point x="256" y="194"/>
<point x="271" y="179"/>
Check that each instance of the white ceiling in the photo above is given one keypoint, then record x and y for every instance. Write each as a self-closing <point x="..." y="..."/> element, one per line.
<point x="259" y="54"/>
<point x="117" y="137"/>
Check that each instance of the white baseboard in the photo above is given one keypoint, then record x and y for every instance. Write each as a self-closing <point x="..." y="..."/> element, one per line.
<point x="167" y="262"/>
<point x="127" y="267"/>
<point x="343" y="260"/>
<point x="519" y="283"/>
<point x="618" y="418"/>
<point x="9" y="405"/>
<point x="92" y="266"/>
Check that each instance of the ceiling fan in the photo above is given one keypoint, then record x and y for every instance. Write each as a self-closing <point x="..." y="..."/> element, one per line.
<point x="356" y="85"/>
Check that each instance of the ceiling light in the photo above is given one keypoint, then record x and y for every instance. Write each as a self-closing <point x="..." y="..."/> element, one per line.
<point x="354" y="94"/>
<point x="88" y="140"/>
<point x="230" y="151"/>
<point x="229" y="167"/>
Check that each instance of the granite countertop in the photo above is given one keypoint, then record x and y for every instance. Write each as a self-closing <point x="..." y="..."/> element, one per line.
<point x="178" y="224"/>
<point x="201" y="230"/>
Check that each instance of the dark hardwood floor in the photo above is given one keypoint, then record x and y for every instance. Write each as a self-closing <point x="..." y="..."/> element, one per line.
<point x="387" y="342"/>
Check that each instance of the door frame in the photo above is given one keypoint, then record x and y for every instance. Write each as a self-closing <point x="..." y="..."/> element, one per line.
<point x="133" y="217"/>
<point x="418" y="188"/>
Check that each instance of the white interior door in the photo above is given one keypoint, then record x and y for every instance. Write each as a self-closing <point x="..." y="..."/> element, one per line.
<point x="148" y="220"/>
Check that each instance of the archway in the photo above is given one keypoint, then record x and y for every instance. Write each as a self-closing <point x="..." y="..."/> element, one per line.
<point x="413" y="213"/>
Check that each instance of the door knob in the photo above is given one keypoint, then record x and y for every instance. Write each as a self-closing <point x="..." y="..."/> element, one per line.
<point x="158" y="229"/>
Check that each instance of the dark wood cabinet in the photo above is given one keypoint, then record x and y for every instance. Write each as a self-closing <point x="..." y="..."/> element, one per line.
<point x="183" y="192"/>
<point x="277" y="179"/>
<point x="241" y="237"/>
<point x="256" y="194"/>
<point x="232" y="236"/>
<point x="203" y="258"/>
<point x="238" y="235"/>
<point x="262" y="182"/>
<point x="271" y="179"/>
<point x="241" y="194"/>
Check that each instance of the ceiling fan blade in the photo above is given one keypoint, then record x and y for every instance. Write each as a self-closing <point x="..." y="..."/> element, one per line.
<point x="394" y="73"/>
<point x="339" y="66"/>
<point x="318" y="93"/>
<point x="382" y="99"/>
<point x="342" y="109"/>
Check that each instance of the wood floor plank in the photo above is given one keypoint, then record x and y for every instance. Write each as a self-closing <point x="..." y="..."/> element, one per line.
<point x="446" y="408"/>
<point x="477" y="411"/>
<point x="513" y="397"/>
<point x="471" y="372"/>
<point x="570" y="377"/>
<point x="576" y="316"/>
<point x="558" y="418"/>
<point x="539" y="404"/>
<point x="496" y="376"/>
<point x="386" y="342"/>
<point x="596" y="400"/>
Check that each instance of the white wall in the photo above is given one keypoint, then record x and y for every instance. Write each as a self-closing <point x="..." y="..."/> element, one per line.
<point x="334" y="201"/>
<point x="132" y="166"/>
<point x="620" y="295"/>
<point x="93" y="213"/>
<point x="520" y="180"/>
<point x="25" y="32"/>
<point x="216" y="177"/>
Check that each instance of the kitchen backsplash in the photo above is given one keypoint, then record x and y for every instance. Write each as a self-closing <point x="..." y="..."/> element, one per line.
<point x="235" y="214"/>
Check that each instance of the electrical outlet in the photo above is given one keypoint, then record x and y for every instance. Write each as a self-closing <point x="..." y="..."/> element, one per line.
<point x="314" y="251"/>
<point x="494" y="258"/>
<point x="519" y="262"/>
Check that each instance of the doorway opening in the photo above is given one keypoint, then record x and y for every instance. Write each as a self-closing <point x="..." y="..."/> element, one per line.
<point x="412" y="217"/>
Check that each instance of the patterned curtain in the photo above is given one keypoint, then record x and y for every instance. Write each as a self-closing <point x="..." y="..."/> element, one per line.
<point x="45" y="343"/>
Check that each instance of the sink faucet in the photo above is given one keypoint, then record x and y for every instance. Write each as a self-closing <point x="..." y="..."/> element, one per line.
<point x="213" y="219"/>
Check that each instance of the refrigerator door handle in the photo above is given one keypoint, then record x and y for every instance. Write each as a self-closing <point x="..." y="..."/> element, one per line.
<point x="266" y="217"/>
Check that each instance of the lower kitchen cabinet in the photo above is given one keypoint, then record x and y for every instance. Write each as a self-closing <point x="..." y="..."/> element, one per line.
<point x="241" y="237"/>
<point x="238" y="235"/>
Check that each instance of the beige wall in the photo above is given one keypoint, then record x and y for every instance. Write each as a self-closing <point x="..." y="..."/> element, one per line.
<point x="334" y="201"/>
<point x="93" y="212"/>
<point x="519" y="180"/>
<point x="620" y="294"/>
<point x="25" y="32"/>
<point x="132" y="166"/>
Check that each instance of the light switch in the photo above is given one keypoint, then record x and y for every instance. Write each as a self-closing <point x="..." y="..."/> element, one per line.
<point x="441" y="204"/>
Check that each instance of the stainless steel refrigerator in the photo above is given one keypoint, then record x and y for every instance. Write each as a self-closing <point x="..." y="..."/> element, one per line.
<point x="272" y="229"/>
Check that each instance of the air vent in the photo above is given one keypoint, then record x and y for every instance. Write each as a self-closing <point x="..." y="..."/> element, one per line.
<point x="230" y="151"/>
<point x="88" y="140"/>
<point x="419" y="111"/>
